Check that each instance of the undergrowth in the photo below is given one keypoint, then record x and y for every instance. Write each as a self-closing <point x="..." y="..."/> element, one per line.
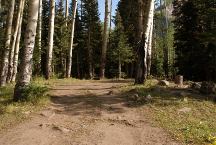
<point x="11" y="113"/>
<point x="195" y="127"/>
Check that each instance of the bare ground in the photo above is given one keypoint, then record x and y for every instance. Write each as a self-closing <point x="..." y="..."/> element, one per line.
<point x="87" y="113"/>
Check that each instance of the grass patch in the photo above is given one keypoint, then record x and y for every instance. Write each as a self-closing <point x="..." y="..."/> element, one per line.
<point x="12" y="113"/>
<point x="195" y="127"/>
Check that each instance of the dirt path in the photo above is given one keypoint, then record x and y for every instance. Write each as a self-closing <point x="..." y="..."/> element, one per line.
<point x="87" y="113"/>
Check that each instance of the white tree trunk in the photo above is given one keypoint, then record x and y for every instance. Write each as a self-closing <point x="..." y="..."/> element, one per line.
<point x="69" y="65"/>
<point x="147" y="34"/>
<point x="149" y="53"/>
<point x="0" y="6"/>
<point x="51" y="35"/>
<point x="4" y="62"/>
<point x="17" y="48"/>
<point x="39" y="35"/>
<point x="66" y="10"/>
<point x="25" y="73"/>
<point x="105" y="39"/>
<point x="10" y="66"/>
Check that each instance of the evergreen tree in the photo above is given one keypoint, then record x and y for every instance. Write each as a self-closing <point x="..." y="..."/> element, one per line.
<point x="194" y="38"/>
<point x="92" y="36"/>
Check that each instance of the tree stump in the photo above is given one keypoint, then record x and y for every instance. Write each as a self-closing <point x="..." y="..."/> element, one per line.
<point x="179" y="80"/>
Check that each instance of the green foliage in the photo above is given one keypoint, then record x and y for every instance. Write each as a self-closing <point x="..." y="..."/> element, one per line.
<point x="120" y="52"/>
<point x="194" y="39"/>
<point x="88" y="35"/>
<point x="34" y="93"/>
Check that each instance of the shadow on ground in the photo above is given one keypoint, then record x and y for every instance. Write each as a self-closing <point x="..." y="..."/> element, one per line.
<point x="93" y="104"/>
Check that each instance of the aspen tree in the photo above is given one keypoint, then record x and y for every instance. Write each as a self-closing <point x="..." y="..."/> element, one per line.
<point x="25" y="73"/>
<point x="5" y="59"/>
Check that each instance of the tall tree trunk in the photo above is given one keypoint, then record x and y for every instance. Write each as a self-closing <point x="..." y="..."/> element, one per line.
<point x="10" y="66"/>
<point x="17" y="48"/>
<point x="39" y="36"/>
<point x="149" y="55"/>
<point x="105" y="40"/>
<point x="51" y="35"/>
<point x="148" y="36"/>
<point x="89" y="51"/>
<point x="139" y="76"/>
<point x="16" y="56"/>
<point x="25" y="73"/>
<point x="4" y="62"/>
<point x="69" y="64"/>
<point x="119" y="67"/>
<point x="66" y="11"/>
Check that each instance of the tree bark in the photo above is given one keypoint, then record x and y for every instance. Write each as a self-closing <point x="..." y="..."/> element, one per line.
<point x="10" y="66"/>
<point x="149" y="53"/>
<point x="51" y="35"/>
<point x="66" y="11"/>
<point x="69" y="64"/>
<point x="4" y="62"/>
<point x="105" y="40"/>
<point x="139" y="77"/>
<point x="119" y="67"/>
<point x="148" y="37"/>
<point x="89" y="50"/>
<point x="39" y="36"/>
<point x="17" y="48"/>
<point x="25" y="73"/>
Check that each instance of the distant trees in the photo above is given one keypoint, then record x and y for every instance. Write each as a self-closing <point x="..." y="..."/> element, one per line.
<point x="119" y="52"/>
<point x="195" y="37"/>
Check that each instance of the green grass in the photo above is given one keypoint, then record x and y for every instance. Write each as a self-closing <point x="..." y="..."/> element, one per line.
<point x="197" y="127"/>
<point x="12" y="113"/>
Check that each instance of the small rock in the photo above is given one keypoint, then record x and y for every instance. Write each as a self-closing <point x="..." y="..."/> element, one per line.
<point x="185" y="100"/>
<point x="133" y="91"/>
<point x="164" y="83"/>
<point x="112" y="92"/>
<point x="42" y="125"/>
<point x="179" y="80"/>
<point x="208" y="88"/>
<point x="148" y="98"/>
<point x="185" y="110"/>
<point x="196" y="86"/>
<point x="156" y="89"/>
<point x="49" y="114"/>
<point x="62" y="129"/>
<point x="135" y="97"/>
<point x="27" y="112"/>
<point x="119" y="118"/>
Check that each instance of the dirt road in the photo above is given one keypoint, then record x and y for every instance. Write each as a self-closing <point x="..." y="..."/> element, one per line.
<point x="87" y="113"/>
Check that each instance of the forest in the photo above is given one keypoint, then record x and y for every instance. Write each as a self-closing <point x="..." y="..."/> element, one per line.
<point x="100" y="63"/>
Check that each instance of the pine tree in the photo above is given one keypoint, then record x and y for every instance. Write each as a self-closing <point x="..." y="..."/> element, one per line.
<point x="92" y="35"/>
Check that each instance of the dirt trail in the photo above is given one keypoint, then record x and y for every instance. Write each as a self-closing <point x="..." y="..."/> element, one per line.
<point x="87" y="113"/>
